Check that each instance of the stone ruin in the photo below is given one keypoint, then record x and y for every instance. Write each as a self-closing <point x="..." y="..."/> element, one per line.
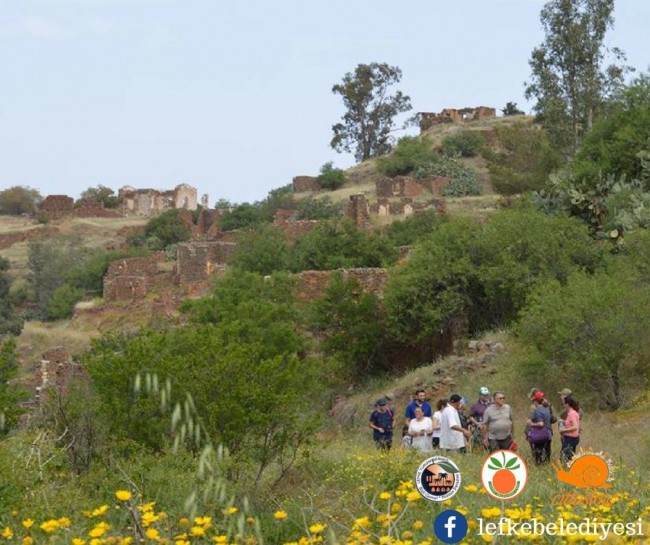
<point x="56" y="207"/>
<point x="151" y="202"/>
<point x="452" y="115"/>
<point x="358" y="210"/>
<point x="197" y="262"/>
<point x="300" y="184"/>
<point x="133" y="278"/>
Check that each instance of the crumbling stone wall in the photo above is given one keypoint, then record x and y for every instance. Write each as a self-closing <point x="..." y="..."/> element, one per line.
<point x="358" y="210"/>
<point x="407" y="206"/>
<point x="291" y="227"/>
<point x="151" y="202"/>
<point x="400" y="186"/>
<point x="9" y="239"/>
<point x="56" y="207"/>
<point x="92" y="208"/>
<point x="197" y="262"/>
<point x="312" y="284"/>
<point x="436" y="184"/>
<point x="134" y="277"/>
<point x="452" y="115"/>
<point x="301" y="184"/>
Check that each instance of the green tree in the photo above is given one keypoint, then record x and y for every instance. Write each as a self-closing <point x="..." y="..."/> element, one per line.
<point x="410" y="154"/>
<point x="163" y="230"/>
<point x="523" y="161"/>
<point x="370" y="110"/>
<point x="340" y="244"/>
<point x="63" y="301"/>
<point x="463" y="144"/>
<point x="331" y="178"/>
<point x="414" y="228"/>
<point x="11" y="323"/>
<point x="19" y="200"/>
<point x="11" y="394"/>
<point x="511" y="108"/>
<point x="350" y="320"/>
<point x="244" y="216"/>
<point x="262" y="250"/>
<point x="102" y="194"/>
<point x="570" y="79"/>
<point x="593" y="331"/>
<point x="321" y="208"/>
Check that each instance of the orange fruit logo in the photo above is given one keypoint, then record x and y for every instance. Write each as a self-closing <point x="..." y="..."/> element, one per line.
<point x="504" y="474"/>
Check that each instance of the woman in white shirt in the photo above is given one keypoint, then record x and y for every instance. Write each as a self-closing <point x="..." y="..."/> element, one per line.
<point x="420" y="430"/>
<point x="437" y="418"/>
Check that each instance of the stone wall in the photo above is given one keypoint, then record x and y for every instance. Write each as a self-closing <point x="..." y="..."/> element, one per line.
<point x="312" y="284"/>
<point x="301" y="184"/>
<point x="91" y="208"/>
<point x="9" y="239"/>
<point x="358" y="210"/>
<point x="134" y="277"/>
<point x="400" y="186"/>
<point x="197" y="262"/>
<point x="56" y="207"/>
<point x="407" y="206"/>
<point x="291" y="227"/>
<point x="435" y="185"/>
<point x="151" y="202"/>
<point x="452" y="115"/>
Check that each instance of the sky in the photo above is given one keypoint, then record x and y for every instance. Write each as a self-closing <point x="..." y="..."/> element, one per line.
<point x="235" y="98"/>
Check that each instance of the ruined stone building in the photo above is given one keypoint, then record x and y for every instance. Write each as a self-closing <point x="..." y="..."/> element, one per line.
<point x="151" y="202"/>
<point x="452" y="115"/>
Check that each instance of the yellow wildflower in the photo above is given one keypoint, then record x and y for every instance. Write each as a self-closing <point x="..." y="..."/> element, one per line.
<point x="362" y="522"/>
<point x="250" y="520"/>
<point x="184" y="522"/>
<point x="487" y="538"/>
<point x="316" y="528"/>
<point x="126" y="541"/>
<point x="153" y="534"/>
<point x="407" y="534"/>
<point x="99" y="530"/>
<point x="28" y="540"/>
<point x="123" y="495"/>
<point x="7" y="533"/>
<point x="280" y="515"/>
<point x="230" y="510"/>
<point x="471" y="488"/>
<point x="147" y="507"/>
<point x="396" y="507"/>
<point x="418" y="525"/>
<point x="197" y="531"/>
<point x="413" y="495"/>
<point x="78" y="541"/>
<point x="28" y="523"/>
<point x="49" y="526"/>
<point x="385" y="540"/>
<point x="220" y="539"/>
<point x="490" y="512"/>
<point x="64" y="522"/>
<point x="96" y="541"/>
<point x="203" y="521"/>
<point x="385" y="496"/>
<point x="148" y="517"/>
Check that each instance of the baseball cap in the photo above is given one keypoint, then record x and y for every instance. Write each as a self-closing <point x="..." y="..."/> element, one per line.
<point x="538" y="395"/>
<point x="565" y="392"/>
<point x="381" y="401"/>
<point x="454" y="398"/>
<point x="484" y="391"/>
<point x="532" y="392"/>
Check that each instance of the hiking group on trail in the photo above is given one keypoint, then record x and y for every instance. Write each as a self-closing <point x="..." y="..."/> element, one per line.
<point x="489" y="426"/>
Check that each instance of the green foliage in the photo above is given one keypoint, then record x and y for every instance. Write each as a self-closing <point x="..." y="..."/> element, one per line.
<point x="481" y="274"/>
<point x="63" y="301"/>
<point x="413" y="228"/>
<point x="244" y="216"/>
<point x="569" y="79"/>
<point x="161" y="231"/>
<point x="49" y="262"/>
<point x="340" y="244"/>
<point x="463" y="144"/>
<point x="10" y="321"/>
<point x="370" y="110"/>
<point x="463" y="180"/>
<point x="11" y="394"/>
<point x="321" y="208"/>
<point x="410" y="154"/>
<point x="511" y="108"/>
<point x="593" y="330"/>
<point x="101" y="194"/>
<point x="262" y="250"/>
<point x="19" y="200"/>
<point x="352" y="325"/>
<point x="331" y="178"/>
<point x="614" y="143"/>
<point x="523" y="161"/>
<point x="239" y="359"/>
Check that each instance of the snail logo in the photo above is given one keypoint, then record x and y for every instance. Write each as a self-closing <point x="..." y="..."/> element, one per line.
<point x="504" y="475"/>
<point x="437" y="478"/>
<point x="587" y="470"/>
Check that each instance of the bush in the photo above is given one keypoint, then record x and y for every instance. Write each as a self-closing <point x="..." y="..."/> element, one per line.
<point x="511" y="108"/>
<point x="262" y="250"/>
<point x="318" y="209"/>
<point x="161" y="231"/>
<point x="331" y="178"/>
<point x="63" y="302"/>
<point x="409" y="154"/>
<point x="413" y="228"/>
<point x="524" y="161"/>
<point x="463" y="180"/>
<point x="463" y="144"/>
<point x="19" y="200"/>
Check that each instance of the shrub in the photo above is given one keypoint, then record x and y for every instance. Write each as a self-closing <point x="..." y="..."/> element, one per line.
<point x="413" y="228"/>
<point x="463" y="180"/>
<point x="18" y="200"/>
<point x="511" y="108"/>
<point x="409" y="154"/>
<point x="331" y="178"/>
<point x="463" y="144"/>
<point x="262" y="250"/>
<point x="318" y="209"/>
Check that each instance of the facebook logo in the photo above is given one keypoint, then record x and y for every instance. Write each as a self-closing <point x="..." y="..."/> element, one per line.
<point x="450" y="526"/>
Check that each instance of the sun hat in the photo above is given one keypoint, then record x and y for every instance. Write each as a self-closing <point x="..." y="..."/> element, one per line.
<point x="484" y="391"/>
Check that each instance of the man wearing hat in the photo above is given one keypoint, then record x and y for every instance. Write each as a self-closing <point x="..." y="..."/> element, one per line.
<point x="498" y="426"/>
<point x="477" y="410"/>
<point x="382" y="422"/>
<point x="452" y="434"/>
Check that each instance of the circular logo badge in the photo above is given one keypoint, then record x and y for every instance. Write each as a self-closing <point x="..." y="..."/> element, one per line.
<point x="437" y="478"/>
<point x="504" y="474"/>
<point x="450" y="526"/>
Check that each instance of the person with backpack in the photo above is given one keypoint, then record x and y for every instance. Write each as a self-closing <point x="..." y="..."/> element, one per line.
<point x="382" y="422"/>
<point x="539" y="429"/>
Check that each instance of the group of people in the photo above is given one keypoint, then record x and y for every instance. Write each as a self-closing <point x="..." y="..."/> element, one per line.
<point x="489" y="425"/>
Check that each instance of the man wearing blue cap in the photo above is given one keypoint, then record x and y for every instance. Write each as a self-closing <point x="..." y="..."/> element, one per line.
<point x="382" y="422"/>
